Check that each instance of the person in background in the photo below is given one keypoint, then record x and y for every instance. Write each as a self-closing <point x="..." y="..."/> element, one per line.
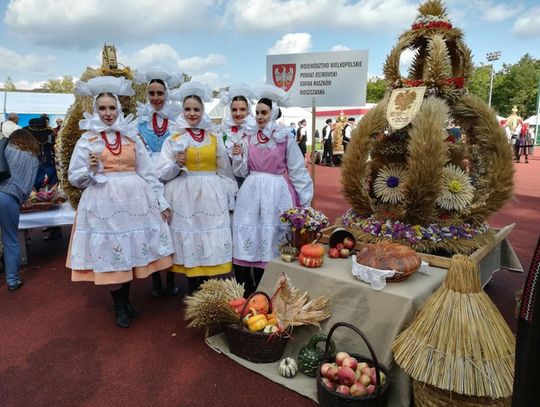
<point x="7" y="128"/>
<point x="200" y="188"/>
<point x="301" y="137"/>
<point x="46" y="175"/>
<point x="276" y="180"/>
<point x="21" y="156"/>
<point x="348" y="129"/>
<point x="121" y="230"/>
<point x="155" y="118"/>
<point x="59" y="122"/>
<point x="327" y="143"/>
<point x="13" y="117"/>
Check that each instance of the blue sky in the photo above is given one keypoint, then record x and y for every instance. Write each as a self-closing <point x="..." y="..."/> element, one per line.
<point x="223" y="42"/>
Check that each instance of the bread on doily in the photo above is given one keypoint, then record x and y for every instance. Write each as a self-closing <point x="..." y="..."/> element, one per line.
<point x="389" y="256"/>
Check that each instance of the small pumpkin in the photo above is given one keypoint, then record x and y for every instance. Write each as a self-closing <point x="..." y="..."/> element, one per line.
<point x="310" y="261"/>
<point x="288" y="367"/>
<point x="314" y="250"/>
<point x="311" y="356"/>
<point x="257" y="322"/>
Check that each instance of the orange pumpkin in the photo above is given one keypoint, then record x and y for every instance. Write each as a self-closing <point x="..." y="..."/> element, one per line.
<point x="314" y="250"/>
<point x="310" y="261"/>
<point x="260" y="303"/>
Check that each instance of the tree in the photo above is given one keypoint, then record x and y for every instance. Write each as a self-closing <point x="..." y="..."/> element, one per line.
<point x="518" y="85"/>
<point x="376" y="87"/>
<point x="186" y="77"/>
<point x="60" y="85"/>
<point x="9" y="85"/>
<point x="479" y="82"/>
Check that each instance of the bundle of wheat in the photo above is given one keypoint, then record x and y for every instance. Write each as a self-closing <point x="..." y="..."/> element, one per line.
<point x="458" y="343"/>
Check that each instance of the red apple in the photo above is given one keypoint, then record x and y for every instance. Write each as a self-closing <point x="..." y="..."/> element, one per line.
<point x="339" y="246"/>
<point x="346" y="376"/>
<point x="333" y="253"/>
<point x="328" y="383"/>
<point x="344" y="390"/>
<point x="348" y="243"/>
<point x="365" y="380"/>
<point x="370" y="389"/>
<point x="350" y="362"/>
<point x="344" y="253"/>
<point x="340" y="357"/>
<point x="333" y="373"/>
<point x="324" y="368"/>
<point x="358" y="390"/>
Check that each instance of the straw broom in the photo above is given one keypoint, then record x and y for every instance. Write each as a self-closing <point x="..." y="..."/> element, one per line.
<point x="459" y="342"/>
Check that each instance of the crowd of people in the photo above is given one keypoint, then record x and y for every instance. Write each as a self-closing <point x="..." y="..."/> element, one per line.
<point x="168" y="191"/>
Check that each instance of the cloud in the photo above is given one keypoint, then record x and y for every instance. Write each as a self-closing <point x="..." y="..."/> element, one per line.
<point x="163" y="57"/>
<point x="339" y="47"/>
<point x="527" y="25"/>
<point x="11" y="61"/>
<point x="405" y="61"/>
<point x="489" y="11"/>
<point x="85" y="24"/>
<point x="196" y="64"/>
<point x="363" y="15"/>
<point x="212" y="79"/>
<point x="292" y="43"/>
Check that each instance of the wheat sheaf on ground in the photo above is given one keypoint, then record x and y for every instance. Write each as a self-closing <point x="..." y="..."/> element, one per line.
<point x="459" y="341"/>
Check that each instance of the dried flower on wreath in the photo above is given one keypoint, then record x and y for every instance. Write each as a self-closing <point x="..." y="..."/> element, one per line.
<point x="388" y="185"/>
<point x="457" y="191"/>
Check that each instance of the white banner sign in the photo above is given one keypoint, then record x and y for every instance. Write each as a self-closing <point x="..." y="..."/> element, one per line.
<point x="334" y="78"/>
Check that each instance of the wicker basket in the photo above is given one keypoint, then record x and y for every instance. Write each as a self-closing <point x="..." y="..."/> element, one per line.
<point x="257" y="347"/>
<point x="331" y="398"/>
<point x="430" y="396"/>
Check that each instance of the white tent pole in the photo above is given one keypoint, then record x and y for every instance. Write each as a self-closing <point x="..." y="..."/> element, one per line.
<point x="313" y="124"/>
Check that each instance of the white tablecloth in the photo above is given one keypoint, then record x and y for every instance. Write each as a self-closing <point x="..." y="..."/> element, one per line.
<point x="57" y="216"/>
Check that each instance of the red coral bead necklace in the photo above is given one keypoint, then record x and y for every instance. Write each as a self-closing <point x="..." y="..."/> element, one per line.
<point x="198" y="137"/>
<point x="159" y="130"/>
<point x="116" y="147"/>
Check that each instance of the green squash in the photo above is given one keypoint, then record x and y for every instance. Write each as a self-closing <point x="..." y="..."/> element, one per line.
<point x="311" y="356"/>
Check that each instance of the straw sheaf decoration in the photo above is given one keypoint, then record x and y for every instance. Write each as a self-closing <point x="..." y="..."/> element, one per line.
<point x="458" y="341"/>
<point x="70" y="132"/>
<point x="429" y="212"/>
<point x="483" y="130"/>
<point x="210" y="304"/>
<point x="354" y="166"/>
<point x="427" y="157"/>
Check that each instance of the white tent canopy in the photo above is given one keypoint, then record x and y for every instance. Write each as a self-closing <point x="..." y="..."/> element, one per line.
<point x="34" y="102"/>
<point x="533" y="120"/>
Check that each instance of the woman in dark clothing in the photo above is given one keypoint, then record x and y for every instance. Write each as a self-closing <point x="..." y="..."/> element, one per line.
<point x="526" y="392"/>
<point x="21" y="156"/>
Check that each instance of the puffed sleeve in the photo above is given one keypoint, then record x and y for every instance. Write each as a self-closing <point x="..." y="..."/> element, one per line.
<point x="145" y="168"/>
<point x="298" y="173"/>
<point x="166" y="167"/>
<point x="225" y="171"/>
<point x="80" y="174"/>
<point x="239" y="162"/>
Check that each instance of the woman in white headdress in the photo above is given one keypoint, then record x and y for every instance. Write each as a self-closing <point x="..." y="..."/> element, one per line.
<point x="277" y="180"/>
<point x="238" y="119"/>
<point x="155" y="118"/>
<point x="120" y="230"/>
<point x="200" y="189"/>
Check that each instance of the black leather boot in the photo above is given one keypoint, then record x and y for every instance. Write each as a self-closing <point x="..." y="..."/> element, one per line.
<point x="132" y="312"/>
<point x="120" y="309"/>
<point x="157" y="287"/>
<point x="172" y="288"/>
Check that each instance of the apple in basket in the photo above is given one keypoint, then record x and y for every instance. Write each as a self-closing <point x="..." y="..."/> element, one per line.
<point x="358" y="390"/>
<point x="340" y="357"/>
<point x="344" y="390"/>
<point x="365" y="380"/>
<point x="348" y="243"/>
<point x="344" y="253"/>
<point x="346" y="376"/>
<point x="325" y="367"/>
<point x="332" y="373"/>
<point x="350" y="362"/>
<point x="328" y="383"/>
